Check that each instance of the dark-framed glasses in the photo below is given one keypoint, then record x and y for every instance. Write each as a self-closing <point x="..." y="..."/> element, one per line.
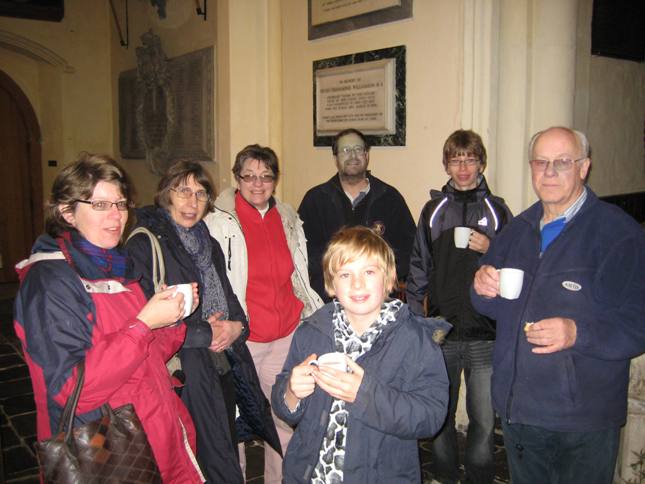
<point x="187" y="192"/>
<point x="105" y="205"/>
<point x="467" y="162"/>
<point x="561" y="164"/>
<point x="356" y="150"/>
<point x="249" y="178"/>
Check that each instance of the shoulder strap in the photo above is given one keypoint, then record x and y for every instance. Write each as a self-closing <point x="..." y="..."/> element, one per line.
<point x="158" y="267"/>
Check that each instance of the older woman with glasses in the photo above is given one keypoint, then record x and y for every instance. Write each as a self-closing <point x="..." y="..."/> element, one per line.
<point x="266" y="261"/>
<point x="78" y="300"/>
<point x="216" y="363"/>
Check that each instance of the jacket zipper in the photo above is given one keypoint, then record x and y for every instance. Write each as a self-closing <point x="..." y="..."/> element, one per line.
<point x="517" y="339"/>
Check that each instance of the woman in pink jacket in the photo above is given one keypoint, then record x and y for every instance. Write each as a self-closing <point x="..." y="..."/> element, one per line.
<point x="77" y="301"/>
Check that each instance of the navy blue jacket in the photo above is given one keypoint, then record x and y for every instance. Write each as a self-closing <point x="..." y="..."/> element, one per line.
<point x="403" y="397"/>
<point x="593" y="273"/>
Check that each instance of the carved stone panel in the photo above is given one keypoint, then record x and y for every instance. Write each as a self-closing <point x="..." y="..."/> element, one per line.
<point x="166" y="106"/>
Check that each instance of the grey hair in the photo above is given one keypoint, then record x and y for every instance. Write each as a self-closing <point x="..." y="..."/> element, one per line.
<point x="581" y="138"/>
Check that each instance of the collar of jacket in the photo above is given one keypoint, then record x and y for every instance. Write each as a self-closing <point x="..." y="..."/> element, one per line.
<point x="474" y="195"/>
<point x="533" y="214"/>
<point x="157" y="220"/>
<point x="321" y="320"/>
<point x="225" y="203"/>
<point x="377" y="187"/>
<point x="46" y="245"/>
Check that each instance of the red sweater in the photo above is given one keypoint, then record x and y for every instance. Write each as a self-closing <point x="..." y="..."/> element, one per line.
<point x="273" y="308"/>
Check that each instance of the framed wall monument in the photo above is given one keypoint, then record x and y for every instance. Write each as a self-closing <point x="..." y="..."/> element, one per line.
<point x="365" y="91"/>
<point x="330" y="17"/>
<point x="166" y="106"/>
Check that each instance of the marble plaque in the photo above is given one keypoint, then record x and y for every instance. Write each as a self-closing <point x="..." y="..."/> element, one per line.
<point x="323" y="11"/>
<point x="331" y="17"/>
<point x="360" y="96"/>
<point x="365" y="91"/>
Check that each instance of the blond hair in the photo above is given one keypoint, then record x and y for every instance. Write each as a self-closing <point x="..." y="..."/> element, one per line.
<point x="350" y="244"/>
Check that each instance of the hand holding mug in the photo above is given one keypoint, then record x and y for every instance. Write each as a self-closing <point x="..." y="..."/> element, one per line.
<point x="486" y="281"/>
<point x="163" y="309"/>
<point x="478" y="242"/>
<point x="301" y="382"/>
<point x="340" y="384"/>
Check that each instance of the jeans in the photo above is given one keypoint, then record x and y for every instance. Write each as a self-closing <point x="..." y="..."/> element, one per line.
<point x="536" y="455"/>
<point x="475" y="359"/>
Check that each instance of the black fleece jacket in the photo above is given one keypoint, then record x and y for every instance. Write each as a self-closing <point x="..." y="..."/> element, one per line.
<point x="444" y="272"/>
<point x="325" y="209"/>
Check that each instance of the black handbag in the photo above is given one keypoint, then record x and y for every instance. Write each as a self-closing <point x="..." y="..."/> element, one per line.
<point x="113" y="449"/>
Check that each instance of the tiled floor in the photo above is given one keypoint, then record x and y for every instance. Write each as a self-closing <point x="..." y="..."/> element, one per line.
<point x="18" y="426"/>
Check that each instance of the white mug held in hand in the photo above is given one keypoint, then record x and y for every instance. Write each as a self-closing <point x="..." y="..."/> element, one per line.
<point x="462" y="237"/>
<point x="510" y="282"/>
<point x="187" y="291"/>
<point x="336" y="361"/>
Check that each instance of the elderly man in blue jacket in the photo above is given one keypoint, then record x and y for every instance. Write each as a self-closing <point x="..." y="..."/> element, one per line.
<point x="561" y="359"/>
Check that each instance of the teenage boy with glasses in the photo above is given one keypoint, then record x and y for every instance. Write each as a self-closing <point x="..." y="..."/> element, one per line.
<point x="443" y="273"/>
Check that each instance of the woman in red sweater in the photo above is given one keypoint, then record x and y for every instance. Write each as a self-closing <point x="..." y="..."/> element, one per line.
<point x="266" y="262"/>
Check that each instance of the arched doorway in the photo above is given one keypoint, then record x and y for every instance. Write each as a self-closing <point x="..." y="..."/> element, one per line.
<point x="21" y="199"/>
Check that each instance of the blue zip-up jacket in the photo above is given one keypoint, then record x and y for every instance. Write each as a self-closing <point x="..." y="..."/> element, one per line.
<point x="593" y="273"/>
<point x="403" y="397"/>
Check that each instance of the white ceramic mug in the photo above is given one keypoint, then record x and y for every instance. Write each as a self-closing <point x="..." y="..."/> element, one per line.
<point x="187" y="291"/>
<point x="462" y="237"/>
<point x="336" y="361"/>
<point x="510" y="282"/>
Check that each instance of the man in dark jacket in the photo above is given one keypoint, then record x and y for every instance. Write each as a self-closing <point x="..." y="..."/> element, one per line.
<point x="354" y="197"/>
<point x="444" y="272"/>
<point x="561" y="359"/>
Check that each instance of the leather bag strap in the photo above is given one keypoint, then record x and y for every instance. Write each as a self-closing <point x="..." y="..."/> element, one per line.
<point x="158" y="266"/>
<point x="67" y="419"/>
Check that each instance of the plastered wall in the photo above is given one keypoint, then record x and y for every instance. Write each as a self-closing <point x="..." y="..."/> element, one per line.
<point x="264" y="89"/>
<point x="74" y="109"/>
<point x="182" y="31"/>
<point x="433" y="40"/>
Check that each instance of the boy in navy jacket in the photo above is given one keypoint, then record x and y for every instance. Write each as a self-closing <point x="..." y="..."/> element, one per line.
<point x="361" y="425"/>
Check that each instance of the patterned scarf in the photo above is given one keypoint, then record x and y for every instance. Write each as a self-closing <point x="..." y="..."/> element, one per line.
<point x="332" y="452"/>
<point x="110" y="262"/>
<point x="197" y="242"/>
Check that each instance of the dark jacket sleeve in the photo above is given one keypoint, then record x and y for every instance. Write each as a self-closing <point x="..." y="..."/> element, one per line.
<point x="504" y="213"/>
<point x="420" y="266"/>
<point x="295" y="357"/>
<point x="616" y="331"/>
<point x="316" y="242"/>
<point x="402" y="236"/>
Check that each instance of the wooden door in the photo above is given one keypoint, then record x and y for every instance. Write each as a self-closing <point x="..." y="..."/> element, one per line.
<point x="20" y="178"/>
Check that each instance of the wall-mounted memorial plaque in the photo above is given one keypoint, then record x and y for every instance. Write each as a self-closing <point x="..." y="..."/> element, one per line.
<point x="171" y="115"/>
<point x="330" y="17"/>
<point x="365" y="91"/>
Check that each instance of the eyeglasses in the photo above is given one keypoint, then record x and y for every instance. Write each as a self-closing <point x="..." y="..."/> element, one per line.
<point x="467" y="162"/>
<point x="561" y="164"/>
<point x="187" y="192"/>
<point x="254" y="178"/>
<point x="357" y="150"/>
<point x="104" y="205"/>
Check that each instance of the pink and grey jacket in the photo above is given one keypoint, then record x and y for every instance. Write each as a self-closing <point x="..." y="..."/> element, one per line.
<point x="66" y="310"/>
